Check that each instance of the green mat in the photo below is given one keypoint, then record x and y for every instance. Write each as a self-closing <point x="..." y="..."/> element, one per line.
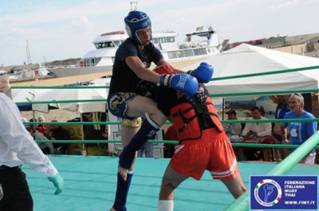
<point x="90" y="185"/>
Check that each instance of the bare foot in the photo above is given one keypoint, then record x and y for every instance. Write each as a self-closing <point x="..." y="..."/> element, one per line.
<point x="123" y="172"/>
<point x="112" y="209"/>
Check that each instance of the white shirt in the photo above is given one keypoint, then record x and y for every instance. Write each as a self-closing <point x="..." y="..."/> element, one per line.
<point x="262" y="129"/>
<point x="16" y="144"/>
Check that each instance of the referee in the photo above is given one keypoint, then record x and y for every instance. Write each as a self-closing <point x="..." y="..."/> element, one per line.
<point x="17" y="147"/>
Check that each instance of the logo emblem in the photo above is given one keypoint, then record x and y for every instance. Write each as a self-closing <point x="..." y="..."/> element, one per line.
<point x="267" y="192"/>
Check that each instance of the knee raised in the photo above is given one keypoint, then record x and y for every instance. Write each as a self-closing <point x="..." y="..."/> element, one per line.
<point x="133" y="123"/>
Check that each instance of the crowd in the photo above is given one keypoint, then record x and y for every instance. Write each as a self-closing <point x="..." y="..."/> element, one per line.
<point x="49" y="135"/>
<point x="288" y="107"/>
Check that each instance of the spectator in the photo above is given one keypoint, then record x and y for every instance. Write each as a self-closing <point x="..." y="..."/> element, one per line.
<point x="233" y="130"/>
<point x="282" y="105"/>
<point x="281" y="109"/>
<point x="253" y="130"/>
<point x="94" y="132"/>
<point x="298" y="132"/>
<point x="47" y="147"/>
<point x="40" y="127"/>
<point x="257" y="133"/>
<point x="56" y="132"/>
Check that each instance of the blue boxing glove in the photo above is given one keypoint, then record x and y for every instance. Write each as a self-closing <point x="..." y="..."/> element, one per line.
<point x="58" y="183"/>
<point x="180" y="82"/>
<point x="204" y="72"/>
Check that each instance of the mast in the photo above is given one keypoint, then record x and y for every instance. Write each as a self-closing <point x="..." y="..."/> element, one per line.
<point x="28" y="53"/>
<point x="133" y="5"/>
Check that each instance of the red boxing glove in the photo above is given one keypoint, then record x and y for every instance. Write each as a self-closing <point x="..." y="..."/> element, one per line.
<point x="164" y="69"/>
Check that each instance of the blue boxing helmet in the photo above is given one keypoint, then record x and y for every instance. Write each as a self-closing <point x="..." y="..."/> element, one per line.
<point x="134" y="21"/>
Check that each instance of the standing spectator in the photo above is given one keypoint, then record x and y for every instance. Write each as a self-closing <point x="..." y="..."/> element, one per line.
<point x="282" y="105"/>
<point x="298" y="132"/>
<point x="281" y="109"/>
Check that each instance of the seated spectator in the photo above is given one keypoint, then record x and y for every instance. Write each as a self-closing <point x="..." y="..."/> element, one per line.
<point x="56" y="132"/>
<point x="234" y="133"/>
<point x="40" y="127"/>
<point x="254" y="130"/>
<point x="233" y="130"/>
<point x="257" y="133"/>
<point x="47" y="147"/>
<point x="93" y="132"/>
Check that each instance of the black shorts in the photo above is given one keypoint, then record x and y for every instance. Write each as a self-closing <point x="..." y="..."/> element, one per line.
<point x="14" y="190"/>
<point x="117" y="103"/>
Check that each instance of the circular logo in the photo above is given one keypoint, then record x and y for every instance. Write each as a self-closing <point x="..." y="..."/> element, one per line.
<point x="267" y="192"/>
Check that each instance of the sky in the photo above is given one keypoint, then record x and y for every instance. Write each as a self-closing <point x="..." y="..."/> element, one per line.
<point x="61" y="29"/>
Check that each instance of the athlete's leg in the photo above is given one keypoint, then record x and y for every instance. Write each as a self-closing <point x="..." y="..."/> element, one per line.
<point x="140" y="105"/>
<point x="235" y="186"/>
<point x="171" y="180"/>
<point x="130" y="106"/>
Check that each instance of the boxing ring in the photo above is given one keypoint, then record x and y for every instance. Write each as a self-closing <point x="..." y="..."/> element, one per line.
<point x="90" y="185"/>
<point x="90" y="181"/>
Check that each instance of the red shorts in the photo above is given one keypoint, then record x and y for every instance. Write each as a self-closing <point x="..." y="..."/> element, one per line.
<point x="213" y="152"/>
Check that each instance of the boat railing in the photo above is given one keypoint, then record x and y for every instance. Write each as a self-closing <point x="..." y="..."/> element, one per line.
<point x="174" y="54"/>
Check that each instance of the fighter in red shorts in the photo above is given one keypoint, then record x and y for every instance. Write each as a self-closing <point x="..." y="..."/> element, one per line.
<point x="203" y="145"/>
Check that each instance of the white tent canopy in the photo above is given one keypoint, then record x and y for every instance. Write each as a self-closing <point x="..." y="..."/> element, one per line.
<point x="76" y="94"/>
<point x="246" y="59"/>
<point x="32" y="95"/>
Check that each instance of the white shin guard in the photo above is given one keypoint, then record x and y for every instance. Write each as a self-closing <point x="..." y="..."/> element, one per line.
<point x="165" y="205"/>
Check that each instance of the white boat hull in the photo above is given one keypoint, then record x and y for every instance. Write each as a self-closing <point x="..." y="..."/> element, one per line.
<point x="69" y="71"/>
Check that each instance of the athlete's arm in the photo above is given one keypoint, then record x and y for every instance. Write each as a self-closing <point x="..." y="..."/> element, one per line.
<point x="140" y="70"/>
<point x="163" y="62"/>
